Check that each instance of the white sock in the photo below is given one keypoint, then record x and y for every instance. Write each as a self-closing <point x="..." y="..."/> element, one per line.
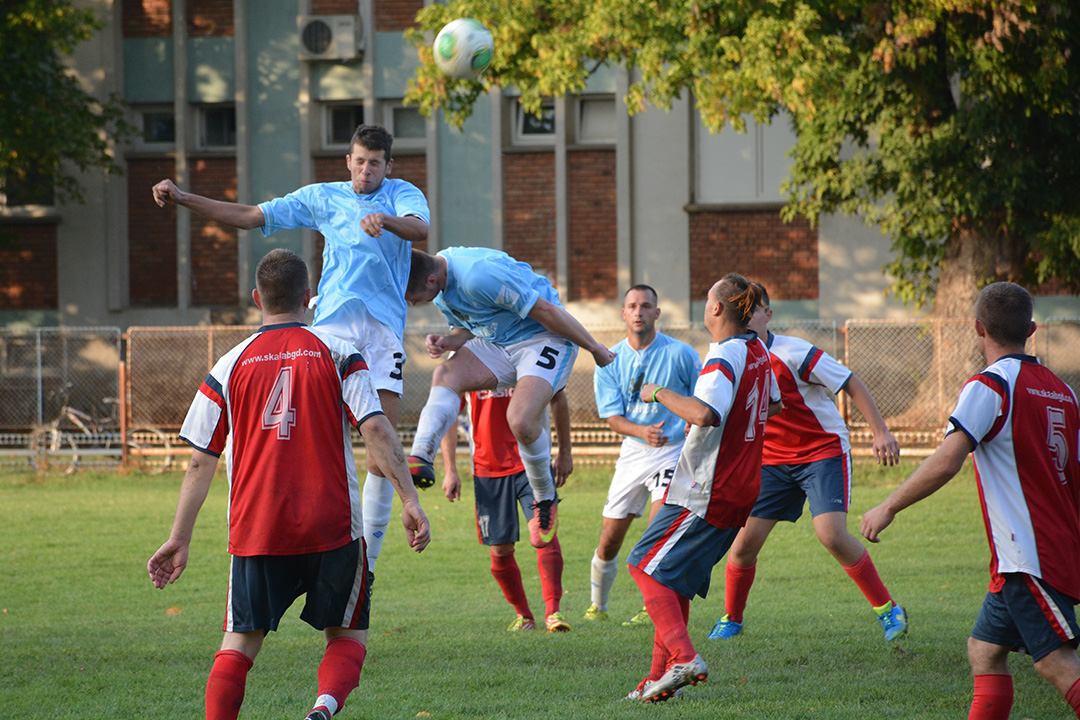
<point x="536" y="457"/>
<point x="328" y="702"/>
<point x="603" y="577"/>
<point x="439" y="415"/>
<point x="378" y="503"/>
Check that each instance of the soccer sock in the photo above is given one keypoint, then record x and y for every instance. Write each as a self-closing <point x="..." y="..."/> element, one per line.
<point x="536" y="457"/>
<point x="339" y="672"/>
<point x="1073" y="697"/>
<point x="439" y="415"/>
<point x="865" y="576"/>
<point x="225" y="686"/>
<point x="737" y="583"/>
<point x="668" y="612"/>
<point x="549" y="561"/>
<point x="993" y="697"/>
<point x="378" y="502"/>
<point x="603" y="577"/>
<point x="660" y="657"/>
<point x="508" y="575"/>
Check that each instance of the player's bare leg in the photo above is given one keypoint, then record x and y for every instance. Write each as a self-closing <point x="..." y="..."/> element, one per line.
<point x="993" y="696"/>
<point x="1061" y="668"/>
<point x="378" y="491"/>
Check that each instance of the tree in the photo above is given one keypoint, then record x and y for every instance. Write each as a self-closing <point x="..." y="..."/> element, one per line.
<point x="951" y="124"/>
<point x="49" y="125"/>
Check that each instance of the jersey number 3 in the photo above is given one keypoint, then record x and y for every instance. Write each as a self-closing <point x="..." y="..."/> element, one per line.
<point x="278" y="411"/>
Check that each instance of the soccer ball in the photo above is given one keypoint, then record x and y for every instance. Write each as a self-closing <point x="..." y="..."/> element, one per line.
<point x="463" y="48"/>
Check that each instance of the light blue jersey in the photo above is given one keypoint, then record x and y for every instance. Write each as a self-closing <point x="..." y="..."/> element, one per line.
<point x="356" y="266"/>
<point x="666" y="361"/>
<point x="491" y="294"/>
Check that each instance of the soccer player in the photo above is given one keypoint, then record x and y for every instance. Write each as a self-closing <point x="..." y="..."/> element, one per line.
<point x="653" y="435"/>
<point x="500" y="484"/>
<point x="807" y="456"/>
<point x="1021" y="423"/>
<point x="369" y="225"/>
<point x="508" y="329"/>
<point x="279" y="406"/>
<point x="715" y="484"/>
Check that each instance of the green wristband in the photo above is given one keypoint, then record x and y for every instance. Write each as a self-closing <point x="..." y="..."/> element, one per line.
<point x="658" y="389"/>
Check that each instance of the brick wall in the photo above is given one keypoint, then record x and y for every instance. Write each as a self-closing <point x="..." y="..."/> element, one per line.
<point x="395" y="15"/>
<point x="151" y="236"/>
<point x="758" y="245"/>
<point x="28" y="267"/>
<point x="209" y="18"/>
<point x="214" y="260"/>
<point x="146" y="18"/>
<point x="337" y="7"/>
<point x="529" y="209"/>
<point x="594" y="272"/>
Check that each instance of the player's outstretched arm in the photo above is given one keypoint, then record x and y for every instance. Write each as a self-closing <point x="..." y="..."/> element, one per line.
<point x="382" y="442"/>
<point x="928" y="478"/>
<point x="560" y="322"/>
<point x="409" y="228"/>
<point x="688" y="408"/>
<point x="451" y="484"/>
<point x="439" y="345"/>
<point x="560" y="414"/>
<point x="171" y="558"/>
<point x="245" y="217"/>
<point x="886" y="448"/>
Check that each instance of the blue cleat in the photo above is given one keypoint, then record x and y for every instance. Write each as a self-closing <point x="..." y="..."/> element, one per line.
<point x="725" y="629"/>
<point x="893" y="620"/>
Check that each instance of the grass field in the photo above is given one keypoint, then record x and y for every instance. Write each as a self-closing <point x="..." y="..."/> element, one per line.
<point x="83" y="634"/>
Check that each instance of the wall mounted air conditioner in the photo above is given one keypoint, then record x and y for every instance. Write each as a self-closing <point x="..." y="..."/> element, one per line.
<point x="330" y="37"/>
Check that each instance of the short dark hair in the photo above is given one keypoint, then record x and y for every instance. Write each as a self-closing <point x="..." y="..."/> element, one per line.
<point x="422" y="266"/>
<point x="373" y="137"/>
<point x="739" y="298"/>
<point x="643" y="288"/>
<point x="764" y="295"/>
<point x="282" y="279"/>
<point x="1005" y="309"/>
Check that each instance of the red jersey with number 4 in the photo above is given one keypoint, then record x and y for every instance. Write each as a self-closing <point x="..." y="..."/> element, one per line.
<point x="279" y="406"/>
<point x="1025" y="425"/>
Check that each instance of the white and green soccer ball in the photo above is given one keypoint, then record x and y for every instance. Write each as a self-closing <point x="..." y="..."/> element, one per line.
<point x="463" y="48"/>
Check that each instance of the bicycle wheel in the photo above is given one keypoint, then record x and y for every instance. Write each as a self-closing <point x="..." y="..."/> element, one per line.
<point x="150" y="448"/>
<point x="51" y="449"/>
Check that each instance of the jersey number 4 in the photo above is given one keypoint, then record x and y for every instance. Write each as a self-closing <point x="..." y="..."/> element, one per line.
<point x="278" y="411"/>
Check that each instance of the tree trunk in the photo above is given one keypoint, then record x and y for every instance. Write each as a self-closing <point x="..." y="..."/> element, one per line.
<point x="971" y="257"/>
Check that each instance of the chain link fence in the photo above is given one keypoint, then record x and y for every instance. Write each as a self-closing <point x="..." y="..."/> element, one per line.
<point x="914" y="370"/>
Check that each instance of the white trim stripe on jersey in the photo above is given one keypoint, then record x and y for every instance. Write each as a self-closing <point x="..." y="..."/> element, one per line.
<point x="671" y="539"/>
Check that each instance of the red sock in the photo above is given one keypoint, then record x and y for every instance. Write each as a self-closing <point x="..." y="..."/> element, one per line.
<point x="669" y="612"/>
<point x="993" y="697"/>
<point x="865" y="576"/>
<point x="660" y="657"/>
<point x="339" y="671"/>
<point x="737" y="583"/>
<point x="1073" y="697"/>
<point x="549" y="561"/>
<point x="508" y="575"/>
<point x="225" y="686"/>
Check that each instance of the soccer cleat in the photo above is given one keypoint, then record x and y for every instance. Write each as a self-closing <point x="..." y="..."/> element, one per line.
<point x="544" y="523"/>
<point x="594" y="613"/>
<point x="422" y="471"/>
<point x="635" y="694"/>
<point x="556" y="623"/>
<point x="689" y="673"/>
<point x="725" y="629"/>
<point x="893" y="619"/>
<point x="521" y="623"/>
<point x="642" y="618"/>
<point x="319" y="713"/>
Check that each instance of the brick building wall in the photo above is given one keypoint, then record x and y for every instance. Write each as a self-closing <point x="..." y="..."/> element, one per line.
<point x="529" y="209"/>
<point x="151" y="236"/>
<point x="395" y="15"/>
<point x="28" y="267"/>
<point x="592" y="238"/>
<point x="214" y="253"/>
<point x="757" y="244"/>
<point x="209" y="18"/>
<point x="146" y="18"/>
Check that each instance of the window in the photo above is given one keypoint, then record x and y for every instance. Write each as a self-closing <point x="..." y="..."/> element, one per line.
<point x="217" y="127"/>
<point x="158" y="126"/>
<point x="532" y="129"/>
<point x="596" y="120"/>
<point x="406" y="124"/>
<point x="340" y="123"/>
<point x="748" y="167"/>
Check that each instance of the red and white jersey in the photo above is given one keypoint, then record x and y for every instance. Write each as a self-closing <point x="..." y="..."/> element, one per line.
<point x="1025" y="426"/>
<point x="279" y="406"/>
<point x="494" y="447"/>
<point x="810" y="427"/>
<point x="718" y="475"/>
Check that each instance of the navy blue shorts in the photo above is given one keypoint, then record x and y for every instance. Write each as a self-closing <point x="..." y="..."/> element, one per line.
<point x="337" y="584"/>
<point x="825" y="483"/>
<point x="497" y="501"/>
<point x="1027" y="615"/>
<point x="679" y="550"/>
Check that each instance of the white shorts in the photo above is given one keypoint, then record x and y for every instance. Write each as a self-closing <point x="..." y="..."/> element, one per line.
<point x="545" y="355"/>
<point x="380" y="346"/>
<point x="642" y="474"/>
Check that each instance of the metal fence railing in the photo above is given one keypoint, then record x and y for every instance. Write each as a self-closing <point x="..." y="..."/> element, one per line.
<point x="136" y="393"/>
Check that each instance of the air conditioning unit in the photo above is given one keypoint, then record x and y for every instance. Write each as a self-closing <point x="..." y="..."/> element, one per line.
<point x="330" y="37"/>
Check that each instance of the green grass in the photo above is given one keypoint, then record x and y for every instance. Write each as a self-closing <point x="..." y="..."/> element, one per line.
<point x="83" y="634"/>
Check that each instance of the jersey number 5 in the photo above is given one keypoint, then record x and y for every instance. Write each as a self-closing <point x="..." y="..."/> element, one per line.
<point x="1056" y="441"/>
<point x="278" y="411"/>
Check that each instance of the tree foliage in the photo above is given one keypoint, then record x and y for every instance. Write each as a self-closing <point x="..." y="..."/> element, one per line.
<point x="49" y="125"/>
<point x="944" y="122"/>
